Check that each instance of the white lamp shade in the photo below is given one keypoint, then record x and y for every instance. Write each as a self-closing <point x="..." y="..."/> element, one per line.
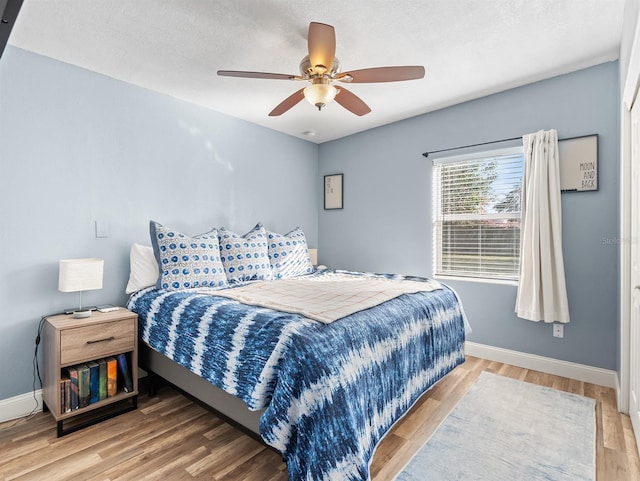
<point x="313" y="254"/>
<point x="80" y="274"/>
<point x="320" y="94"/>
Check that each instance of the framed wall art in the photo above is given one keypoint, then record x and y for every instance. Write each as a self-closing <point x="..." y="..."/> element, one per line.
<point x="333" y="191"/>
<point x="578" y="163"/>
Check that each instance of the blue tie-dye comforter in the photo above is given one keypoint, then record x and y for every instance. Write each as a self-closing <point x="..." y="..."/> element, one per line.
<point x="332" y="391"/>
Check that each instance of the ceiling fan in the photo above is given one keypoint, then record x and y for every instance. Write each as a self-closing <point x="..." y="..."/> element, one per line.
<point x="321" y="68"/>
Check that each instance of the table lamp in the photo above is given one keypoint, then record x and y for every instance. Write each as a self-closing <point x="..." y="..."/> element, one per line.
<point x="77" y="275"/>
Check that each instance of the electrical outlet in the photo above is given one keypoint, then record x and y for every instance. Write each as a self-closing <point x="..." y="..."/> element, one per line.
<point x="558" y="330"/>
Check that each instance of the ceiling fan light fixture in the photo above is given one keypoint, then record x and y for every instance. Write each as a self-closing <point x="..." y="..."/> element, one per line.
<point x="320" y="93"/>
<point x="322" y="68"/>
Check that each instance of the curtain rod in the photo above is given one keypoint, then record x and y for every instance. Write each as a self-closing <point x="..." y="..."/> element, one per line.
<point x="426" y="154"/>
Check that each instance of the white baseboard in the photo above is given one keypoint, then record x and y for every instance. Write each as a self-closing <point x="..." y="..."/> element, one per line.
<point x="20" y="406"/>
<point x="572" y="370"/>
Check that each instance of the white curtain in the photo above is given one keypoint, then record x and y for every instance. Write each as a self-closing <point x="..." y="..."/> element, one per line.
<point x="542" y="292"/>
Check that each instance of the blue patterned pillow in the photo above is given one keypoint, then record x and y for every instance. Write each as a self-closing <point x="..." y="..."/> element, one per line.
<point x="289" y="254"/>
<point x="245" y="258"/>
<point x="186" y="262"/>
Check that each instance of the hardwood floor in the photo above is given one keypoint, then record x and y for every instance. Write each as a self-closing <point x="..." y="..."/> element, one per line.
<point x="172" y="438"/>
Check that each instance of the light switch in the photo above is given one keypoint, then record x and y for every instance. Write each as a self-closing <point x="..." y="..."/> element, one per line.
<point x="102" y="228"/>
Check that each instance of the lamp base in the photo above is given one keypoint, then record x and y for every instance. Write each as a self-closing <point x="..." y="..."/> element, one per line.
<point x="81" y="314"/>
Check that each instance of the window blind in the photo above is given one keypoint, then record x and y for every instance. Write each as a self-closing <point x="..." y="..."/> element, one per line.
<point x="476" y="215"/>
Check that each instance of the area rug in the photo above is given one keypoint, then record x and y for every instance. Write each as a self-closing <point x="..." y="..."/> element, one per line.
<point x="503" y="429"/>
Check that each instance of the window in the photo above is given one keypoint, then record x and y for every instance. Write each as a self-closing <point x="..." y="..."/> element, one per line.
<point x="476" y="214"/>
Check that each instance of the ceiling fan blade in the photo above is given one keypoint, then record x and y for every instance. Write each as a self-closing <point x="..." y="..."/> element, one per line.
<point x="287" y="103"/>
<point x="383" y="74"/>
<point x="322" y="44"/>
<point x="240" y="73"/>
<point x="352" y="102"/>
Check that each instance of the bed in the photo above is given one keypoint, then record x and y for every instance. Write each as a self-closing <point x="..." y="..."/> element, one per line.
<point x="323" y="394"/>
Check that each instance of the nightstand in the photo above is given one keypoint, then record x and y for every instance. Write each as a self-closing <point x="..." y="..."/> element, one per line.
<point x="69" y="344"/>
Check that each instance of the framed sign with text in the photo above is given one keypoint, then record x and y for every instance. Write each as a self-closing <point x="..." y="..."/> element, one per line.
<point x="333" y="191"/>
<point x="578" y="163"/>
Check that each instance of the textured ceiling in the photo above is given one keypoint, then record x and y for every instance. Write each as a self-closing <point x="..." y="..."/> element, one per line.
<point x="470" y="48"/>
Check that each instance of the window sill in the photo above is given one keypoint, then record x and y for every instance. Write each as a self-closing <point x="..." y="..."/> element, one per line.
<point x="483" y="280"/>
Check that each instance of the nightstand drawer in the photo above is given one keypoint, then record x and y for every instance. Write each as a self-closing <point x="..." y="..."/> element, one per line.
<point x="97" y="340"/>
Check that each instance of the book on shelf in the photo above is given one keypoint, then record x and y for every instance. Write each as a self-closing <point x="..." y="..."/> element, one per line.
<point x="67" y="394"/>
<point x="123" y="368"/>
<point x="72" y="371"/>
<point x="64" y="394"/>
<point x="84" y="392"/>
<point x="94" y="382"/>
<point x="112" y="376"/>
<point x="102" y="366"/>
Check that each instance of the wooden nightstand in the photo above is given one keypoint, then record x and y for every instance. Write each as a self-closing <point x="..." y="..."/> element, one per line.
<point x="69" y="342"/>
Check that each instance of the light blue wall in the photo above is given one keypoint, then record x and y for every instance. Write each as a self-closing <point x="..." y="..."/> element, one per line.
<point x="76" y="147"/>
<point x="386" y="222"/>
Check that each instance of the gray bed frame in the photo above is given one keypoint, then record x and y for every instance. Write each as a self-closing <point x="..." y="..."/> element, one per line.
<point x="228" y="407"/>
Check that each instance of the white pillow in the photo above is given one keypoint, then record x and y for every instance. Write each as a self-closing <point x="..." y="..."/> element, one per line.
<point x="144" y="268"/>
